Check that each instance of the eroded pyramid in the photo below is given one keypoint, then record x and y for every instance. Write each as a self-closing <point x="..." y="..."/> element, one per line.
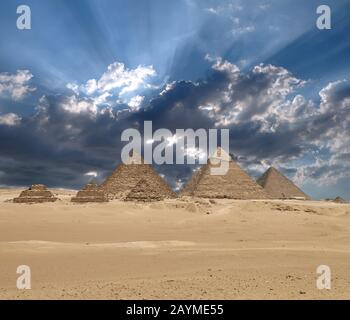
<point x="37" y="193"/>
<point x="127" y="176"/>
<point x="90" y="193"/>
<point x="280" y="187"/>
<point x="145" y="192"/>
<point x="235" y="184"/>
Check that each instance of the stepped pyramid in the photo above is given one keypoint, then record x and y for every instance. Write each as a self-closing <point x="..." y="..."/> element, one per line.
<point x="144" y="192"/>
<point x="126" y="176"/>
<point x="90" y="193"/>
<point x="280" y="187"/>
<point x="235" y="184"/>
<point x="37" y="193"/>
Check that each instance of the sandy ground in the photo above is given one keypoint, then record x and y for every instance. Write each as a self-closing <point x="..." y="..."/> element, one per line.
<point x="174" y="249"/>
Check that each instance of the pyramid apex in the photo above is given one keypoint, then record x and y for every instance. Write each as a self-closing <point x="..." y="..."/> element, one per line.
<point x="220" y="155"/>
<point x="272" y="168"/>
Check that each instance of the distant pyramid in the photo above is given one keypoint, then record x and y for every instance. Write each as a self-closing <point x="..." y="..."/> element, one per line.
<point x="279" y="186"/>
<point x="37" y="193"/>
<point x="90" y="193"/>
<point x="235" y="184"/>
<point x="145" y="192"/>
<point x="127" y="176"/>
<point x="339" y="200"/>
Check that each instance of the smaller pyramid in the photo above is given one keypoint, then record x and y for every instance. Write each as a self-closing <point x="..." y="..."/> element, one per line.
<point x="339" y="200"/>
<point x="90" y="193"/>
<point x="146" y="192"/>
<point x="37" y="193"/>
<point x="280" y="187"/>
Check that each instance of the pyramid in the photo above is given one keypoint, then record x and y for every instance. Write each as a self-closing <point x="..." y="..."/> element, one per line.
<point x="90" y="193"/>
<point x="126" y="176"/>
<point x="339" y="200"/>
<point x="144" y="192"/>
<point x="279" y="186"/>
<point x="235" y="184"/>
<point x="37" y="193"/>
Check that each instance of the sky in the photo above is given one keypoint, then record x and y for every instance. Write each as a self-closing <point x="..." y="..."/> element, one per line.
<point x="89" y="69"/>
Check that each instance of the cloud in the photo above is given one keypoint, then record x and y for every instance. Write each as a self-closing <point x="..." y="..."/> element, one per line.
<point x="117" y="76"/>
<point x="136" y="102"/>
<point x="230" y="12"/>
<point x="226" y="8"/>
<point x="116" y="84"/>
<point x="93" y="174"/>
<point x="10" y="119"/>
<point x="74" y="105"/>
<point x="212" y="10"/>
<point x="16" y="85"/>
<point x="243" y="29"/>
<point x="270" y="123"/>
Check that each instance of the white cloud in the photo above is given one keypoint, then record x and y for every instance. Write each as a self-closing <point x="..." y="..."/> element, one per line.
<point x="16" y="85"/>
<point x="102" y="98"/>
<point x="259" y="95"/>
<point x="171" y="85"/>
<point x="92" y="174"/>
<point x="327" y="131"/>
<point x="135" y="102"/>
<point x="225" y="9"/>
<point x="225" y="66"/>
<point x="117" y="80"/>
<point x="10" y="119"/>
<point x="91" y="86"/>
<point x="117" y="76"/>
<point x="74" y="87"/>
<point x="243" y="29"/>
<point x="73" y="104"/>
<point x="212" y="10"/>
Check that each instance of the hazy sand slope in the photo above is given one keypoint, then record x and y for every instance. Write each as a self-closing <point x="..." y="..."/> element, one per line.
<point x="174" y="249"/>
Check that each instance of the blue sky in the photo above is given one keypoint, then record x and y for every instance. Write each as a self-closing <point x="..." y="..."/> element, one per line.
<point x="94" y="67"/>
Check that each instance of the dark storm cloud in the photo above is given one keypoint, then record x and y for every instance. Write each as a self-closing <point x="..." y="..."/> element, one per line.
<point x="269" y="123"/>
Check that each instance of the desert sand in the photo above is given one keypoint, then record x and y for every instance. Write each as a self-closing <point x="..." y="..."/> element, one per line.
<point x="174" y="249"/>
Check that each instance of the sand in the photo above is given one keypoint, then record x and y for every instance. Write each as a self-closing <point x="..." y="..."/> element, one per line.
<point x="174" y="249"/>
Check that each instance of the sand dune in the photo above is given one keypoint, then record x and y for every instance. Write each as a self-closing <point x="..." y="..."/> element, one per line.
<point x="174" y="249"/>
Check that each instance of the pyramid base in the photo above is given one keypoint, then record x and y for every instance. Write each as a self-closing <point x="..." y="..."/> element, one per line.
<point x="87" y="200"/>
<point x="33" y="200"/>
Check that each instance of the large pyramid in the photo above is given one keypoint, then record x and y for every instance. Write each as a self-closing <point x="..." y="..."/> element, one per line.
<point x="90" y="193"/>
<point x="144" y="192"/>
<point x="235" y="184"/>
<point x="280" y="187"/>
<point x="127" y="176"/>
<point x="37" y="193"/>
